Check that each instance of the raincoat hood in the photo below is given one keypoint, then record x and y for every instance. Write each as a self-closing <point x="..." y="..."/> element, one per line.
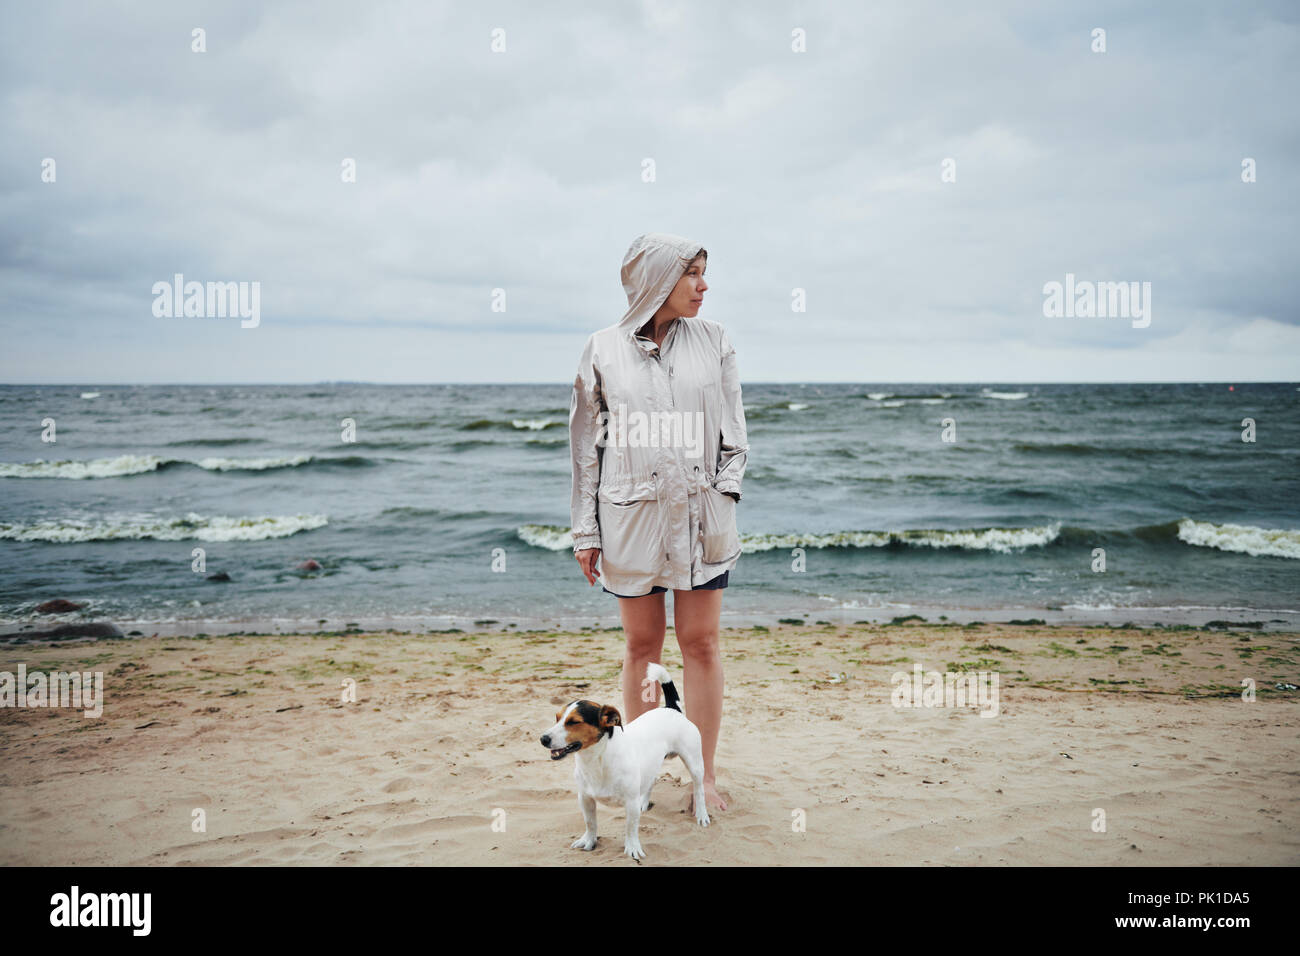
<point x="654" y="264"/>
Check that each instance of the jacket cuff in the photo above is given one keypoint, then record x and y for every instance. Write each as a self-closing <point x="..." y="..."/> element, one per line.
<point x="585" y="542"/>
<point x="728" y="485"/>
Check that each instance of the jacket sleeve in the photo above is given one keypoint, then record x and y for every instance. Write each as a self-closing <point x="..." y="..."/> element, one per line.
<point x="586" y="446"/>
<point x="734" y="449"/>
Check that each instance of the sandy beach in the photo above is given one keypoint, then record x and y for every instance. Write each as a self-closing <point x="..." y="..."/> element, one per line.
<point x="438" y="761"/>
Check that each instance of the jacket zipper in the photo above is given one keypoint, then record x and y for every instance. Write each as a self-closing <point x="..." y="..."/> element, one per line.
<point x="672" y="403"/>
<point x="672" y="399"/>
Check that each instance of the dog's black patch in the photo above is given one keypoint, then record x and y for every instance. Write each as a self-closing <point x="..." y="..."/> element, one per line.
<point x="589" y="712"/>
<point x="670" y="696"/>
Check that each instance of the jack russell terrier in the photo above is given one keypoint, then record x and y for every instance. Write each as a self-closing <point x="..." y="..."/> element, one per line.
<point x="618" y="765"/>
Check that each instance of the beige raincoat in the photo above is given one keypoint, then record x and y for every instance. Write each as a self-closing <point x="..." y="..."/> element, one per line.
<point x="657" y="437"/>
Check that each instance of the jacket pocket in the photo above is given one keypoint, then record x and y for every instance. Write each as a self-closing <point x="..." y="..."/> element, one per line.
<point x="629" y="535"/>
<point x="718" y="526"/>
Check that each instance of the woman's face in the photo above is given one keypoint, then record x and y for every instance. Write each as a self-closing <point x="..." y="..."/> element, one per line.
<point x="688" y="295"/>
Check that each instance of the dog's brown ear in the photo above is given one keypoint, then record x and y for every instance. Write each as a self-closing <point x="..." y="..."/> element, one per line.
<point x="609" y="719"/>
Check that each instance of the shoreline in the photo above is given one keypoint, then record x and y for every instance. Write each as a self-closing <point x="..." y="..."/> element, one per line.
<point x="1265" y="620"/>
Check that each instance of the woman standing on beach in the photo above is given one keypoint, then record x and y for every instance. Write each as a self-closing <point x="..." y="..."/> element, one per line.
<point x="657" y="439"/>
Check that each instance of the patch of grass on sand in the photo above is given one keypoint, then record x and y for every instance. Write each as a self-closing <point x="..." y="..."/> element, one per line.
<point x="88" y="662"/>
<point x="1106" y="682"/>
<point x="327" y="666"/>
<point x="1161" y="649"/>
<point x="1054" y="649"/>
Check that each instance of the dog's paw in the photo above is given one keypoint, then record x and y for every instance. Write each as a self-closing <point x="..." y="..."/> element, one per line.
<point x="702" y="818"/>
<point x="633" y="849"/>
<point x="584" y="842"/>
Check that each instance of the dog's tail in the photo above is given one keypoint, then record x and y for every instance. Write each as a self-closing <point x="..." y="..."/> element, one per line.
<point x="658" y="672"/>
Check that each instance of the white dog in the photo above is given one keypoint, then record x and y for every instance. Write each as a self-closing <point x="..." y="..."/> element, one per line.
<point x="618" y="765"/>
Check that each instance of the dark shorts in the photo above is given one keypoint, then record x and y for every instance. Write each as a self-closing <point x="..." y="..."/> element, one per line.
<point x="713" y="584"/>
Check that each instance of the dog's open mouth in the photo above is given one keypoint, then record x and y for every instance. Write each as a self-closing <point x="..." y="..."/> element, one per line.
<point x="565" y="751"/>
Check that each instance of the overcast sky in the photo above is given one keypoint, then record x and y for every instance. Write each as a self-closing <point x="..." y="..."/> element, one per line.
<point x="522" y="170"/>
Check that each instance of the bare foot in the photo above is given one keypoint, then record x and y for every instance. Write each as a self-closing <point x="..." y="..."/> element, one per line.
<point x="713" y="800"/>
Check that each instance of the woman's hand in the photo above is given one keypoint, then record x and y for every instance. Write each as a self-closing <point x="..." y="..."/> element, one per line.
<point x="587" y="561"/>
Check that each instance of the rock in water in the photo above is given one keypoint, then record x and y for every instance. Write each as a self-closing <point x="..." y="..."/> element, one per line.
<point x="66" y="631"/>
<point x="58" y="606"/>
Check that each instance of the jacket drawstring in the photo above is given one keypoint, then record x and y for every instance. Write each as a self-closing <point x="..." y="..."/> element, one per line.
<point x="659" y="517"/>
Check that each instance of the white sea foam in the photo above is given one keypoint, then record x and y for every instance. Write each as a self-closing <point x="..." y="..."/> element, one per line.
<point x="132" y="527"/>
<point x="1009" y="396"/>
<point x="879" y="396"/>
<point x="1001" y="540"/>
<point x="1179" y="607"/>
<point x="796" y="407"/>
<point x="251" y="464"/>
<point x="1241" y="538"/>
<point x="854" y="604"/>
<point x="124" y="465"/>
<point x="535" y="424"/>
<point x="91" y="468"/>
<point x="90" y="394"/>
<point x="548" y="536"/>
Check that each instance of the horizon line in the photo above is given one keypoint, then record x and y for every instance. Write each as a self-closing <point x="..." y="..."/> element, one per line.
<point x="984" y="382"/>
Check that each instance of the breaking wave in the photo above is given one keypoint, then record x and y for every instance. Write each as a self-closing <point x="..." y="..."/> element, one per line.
<point x="1241" y="538"/>
<point x="135" y="527"/>
<point x="1001" y="540"/>
<point x="126" y="465"/>
<point x="1235" y="538"/>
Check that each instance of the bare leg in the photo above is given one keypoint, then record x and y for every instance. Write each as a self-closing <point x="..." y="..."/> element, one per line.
<point x="695" y="617"/>
<point x="644" y="624"/>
